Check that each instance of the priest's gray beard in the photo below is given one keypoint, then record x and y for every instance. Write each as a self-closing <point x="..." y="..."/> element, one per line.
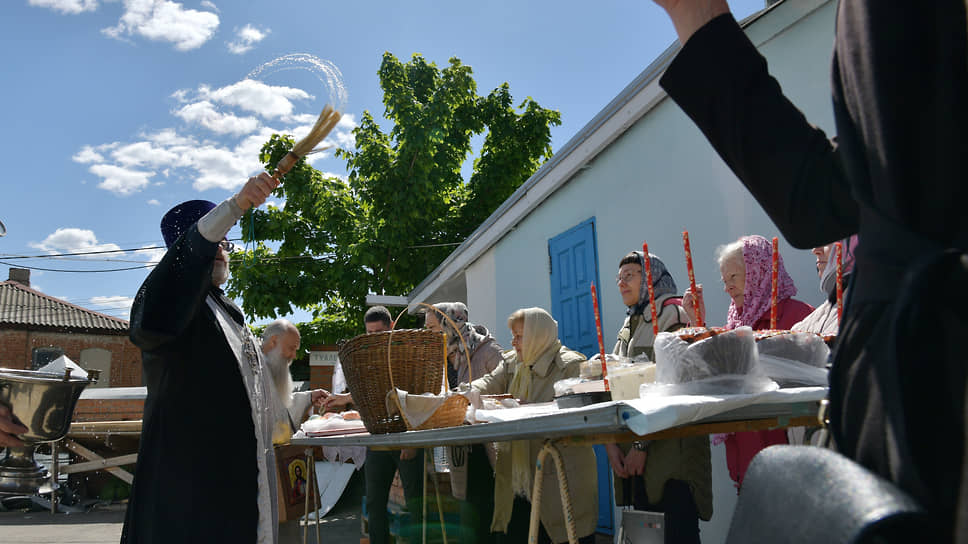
<point x="279" y="369"/>
<point x="220" y="273"/>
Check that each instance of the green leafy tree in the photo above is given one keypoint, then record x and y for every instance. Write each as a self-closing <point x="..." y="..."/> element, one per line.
<point x="404" y="204"/>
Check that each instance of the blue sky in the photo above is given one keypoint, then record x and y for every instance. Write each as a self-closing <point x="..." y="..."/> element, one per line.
<point x="116" y="110"/>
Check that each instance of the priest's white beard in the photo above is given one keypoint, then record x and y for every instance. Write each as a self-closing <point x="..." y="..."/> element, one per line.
<point x="220" y="273"/>
<point x="279" y="369"/>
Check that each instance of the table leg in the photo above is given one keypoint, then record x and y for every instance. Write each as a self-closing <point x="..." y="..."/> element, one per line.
<point x="53" y="478"/>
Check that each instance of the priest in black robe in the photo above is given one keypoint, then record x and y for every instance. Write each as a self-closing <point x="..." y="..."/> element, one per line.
<point x="206" y="470"/>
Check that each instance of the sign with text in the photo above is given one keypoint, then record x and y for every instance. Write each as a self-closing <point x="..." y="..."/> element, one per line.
<point x="323" y="356"/>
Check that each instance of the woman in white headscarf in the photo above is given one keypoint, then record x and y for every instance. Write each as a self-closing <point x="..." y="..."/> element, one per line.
<point x="471" y="473"/>
<point x="529" y="374"/>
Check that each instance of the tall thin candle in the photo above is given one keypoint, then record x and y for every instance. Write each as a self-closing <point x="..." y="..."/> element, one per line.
<point x="700" y="322"/>
<point x="776" y="277"/>
<point x="601" y="340"/>
<point x="648" y="278"/>
<point x="840" y="279"/>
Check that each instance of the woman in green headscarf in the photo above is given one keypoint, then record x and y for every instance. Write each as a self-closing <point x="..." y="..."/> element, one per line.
<point x="529" y="374"/>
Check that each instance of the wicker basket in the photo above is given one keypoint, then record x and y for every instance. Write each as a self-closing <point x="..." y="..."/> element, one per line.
<point x="415" y="357"/>
<point x="454" y="409"/>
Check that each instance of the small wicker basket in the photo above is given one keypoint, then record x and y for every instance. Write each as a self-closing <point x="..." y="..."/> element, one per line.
<point x="454" y="409"/>
<point x="376" y="363"/>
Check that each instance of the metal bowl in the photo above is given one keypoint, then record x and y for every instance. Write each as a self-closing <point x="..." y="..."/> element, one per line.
<point x="41" y="401"/>
<point x="44" y="403"/>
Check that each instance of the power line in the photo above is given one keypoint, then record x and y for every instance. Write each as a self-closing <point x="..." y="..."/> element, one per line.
<point x="79" y="271"/>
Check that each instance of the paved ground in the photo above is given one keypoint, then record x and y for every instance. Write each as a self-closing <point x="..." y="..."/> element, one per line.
<point x="102" y="524"/>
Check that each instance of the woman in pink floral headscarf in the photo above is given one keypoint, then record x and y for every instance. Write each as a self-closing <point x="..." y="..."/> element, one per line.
<point x="746" y="266"/>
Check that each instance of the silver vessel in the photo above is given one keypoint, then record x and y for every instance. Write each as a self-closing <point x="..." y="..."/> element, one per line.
<point x="44" y="403"/>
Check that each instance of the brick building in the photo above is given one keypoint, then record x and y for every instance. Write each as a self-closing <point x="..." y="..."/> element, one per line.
<point x="36" y="328"/>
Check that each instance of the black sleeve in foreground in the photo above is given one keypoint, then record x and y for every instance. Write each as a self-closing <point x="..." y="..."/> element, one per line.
<point x="722" y="83"/>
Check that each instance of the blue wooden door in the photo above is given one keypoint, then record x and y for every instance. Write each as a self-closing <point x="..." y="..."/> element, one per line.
<point x="574" y="265"/>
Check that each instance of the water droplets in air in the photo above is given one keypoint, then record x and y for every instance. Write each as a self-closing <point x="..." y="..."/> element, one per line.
<point x="325" y="71"/>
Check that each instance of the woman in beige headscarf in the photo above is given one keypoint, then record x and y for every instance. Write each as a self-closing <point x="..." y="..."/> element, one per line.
<point x="529" y="374"/>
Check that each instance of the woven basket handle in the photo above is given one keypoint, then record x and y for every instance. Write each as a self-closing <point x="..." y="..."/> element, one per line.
<point x="467" y="353"/>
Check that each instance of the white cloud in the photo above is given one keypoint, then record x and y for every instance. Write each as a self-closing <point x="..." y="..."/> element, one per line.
<point x="169" y="137"/>
<point x="342" y="134"/>
<point x="205" y="114"/>
<point x="265" y="100"/>
<point x="210" y="5"/>
<point x="113" y="305"/>
<point x="220" y="168"/>
<point x="119" y="180"/>
<point x="181" y="95"/>
<point x="72" y="240"/>
<point x="223" y="159"/>
<point x="245" y="39"/>
<point x="152" y="254"/>
<point x="143" y="154"/>
<point x="71" y="7"/>
<point x="166" y="21"/>
<point x="154" y="202"/>
<point x="86" y="155"/>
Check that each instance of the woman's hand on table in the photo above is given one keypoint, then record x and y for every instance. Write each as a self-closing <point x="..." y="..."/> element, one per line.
<point x="617" y="459"/>
<point x="687" y="305"/>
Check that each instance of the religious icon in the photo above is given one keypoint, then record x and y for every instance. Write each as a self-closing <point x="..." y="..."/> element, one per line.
<point x="297" y="479"/>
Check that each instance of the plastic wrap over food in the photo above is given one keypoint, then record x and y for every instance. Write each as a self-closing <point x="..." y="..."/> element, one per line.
<point x="591" y="369"/>
<point x="567" y="386"/>
<point x="794" y="359"/>
<point x="803" y="347"/>
<point x="726" y="363"/>
<point x="789" y="373"/>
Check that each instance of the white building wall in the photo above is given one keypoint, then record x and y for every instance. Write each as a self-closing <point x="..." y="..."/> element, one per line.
<point x="481" y="299"/>
<point x="656" y="180"/>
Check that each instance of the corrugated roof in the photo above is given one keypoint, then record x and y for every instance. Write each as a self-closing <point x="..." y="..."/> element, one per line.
<point x="21" y="306"/>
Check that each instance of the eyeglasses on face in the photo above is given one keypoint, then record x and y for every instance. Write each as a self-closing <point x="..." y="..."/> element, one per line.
<point x="626" y="277"/>
<point x="226" y="245"/>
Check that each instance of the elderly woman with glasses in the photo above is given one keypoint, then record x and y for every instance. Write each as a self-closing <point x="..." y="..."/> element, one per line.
<point x="673" y="476"/>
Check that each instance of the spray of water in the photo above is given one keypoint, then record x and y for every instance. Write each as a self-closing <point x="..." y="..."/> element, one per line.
<point x="325" y="71"/>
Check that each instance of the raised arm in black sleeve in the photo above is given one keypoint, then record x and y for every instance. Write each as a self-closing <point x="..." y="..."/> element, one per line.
<point x="721" y="81"/>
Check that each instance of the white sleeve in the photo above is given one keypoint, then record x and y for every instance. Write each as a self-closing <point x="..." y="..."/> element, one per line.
<point x="301" y="400"/>
<point x="339" y="380"/>
<point x="214" y="225"/>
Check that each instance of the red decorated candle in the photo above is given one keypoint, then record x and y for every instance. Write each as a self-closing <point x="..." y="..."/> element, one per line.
<point x="839" y="247"/>
<point x="601" y="341"/>
<point x="776" y="278"/>
<point x="648" y="278"/>
<point x="692" y="279"/>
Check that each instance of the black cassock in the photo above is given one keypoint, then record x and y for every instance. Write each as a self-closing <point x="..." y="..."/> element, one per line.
<point x="196" y="477"/>
<point x="898" y="176"/>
